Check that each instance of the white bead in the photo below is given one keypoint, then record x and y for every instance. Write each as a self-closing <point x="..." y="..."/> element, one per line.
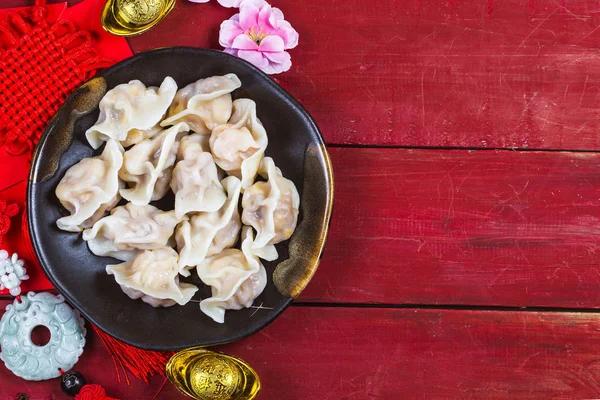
<point x="12" y="272"/>
<point x="15" y="291"/>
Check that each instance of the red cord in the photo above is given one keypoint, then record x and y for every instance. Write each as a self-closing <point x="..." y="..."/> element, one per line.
<point x="7" y="211"/>
<point x="92" y="392"/>
<point x="40" y="66"/>
<point x="141" y="363"/>
<point x="160" y="389"/>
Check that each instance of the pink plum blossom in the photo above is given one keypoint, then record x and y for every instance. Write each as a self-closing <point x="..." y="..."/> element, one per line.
<point x="224" y="3"/>
<point x="260" y="35"/>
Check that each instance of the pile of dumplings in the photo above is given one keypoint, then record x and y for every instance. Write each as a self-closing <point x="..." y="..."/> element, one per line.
<point x="207" y="149"/>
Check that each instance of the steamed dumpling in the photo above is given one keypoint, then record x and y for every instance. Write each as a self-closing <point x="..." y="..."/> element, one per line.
<point x="191" y="144"/>
<point x="129" y="108"/>
<point x="209" y="233"/>
<point x="147" y="166"/>
<point x="90" y="188"/>
<point x="239" y="146"/>
<point x="152" y="276"/>
<point x="203" y="104"/>
<point x="129" y="228"/>
<point x="236" y="277"/>
<point x="271" y="207"/>
<point x="195" y="180"/>
<point x="136" y="136"/>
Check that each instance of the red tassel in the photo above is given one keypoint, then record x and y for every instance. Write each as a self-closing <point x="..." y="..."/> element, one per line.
<point x="142" y="363"/>
<point x="92" y="392"/>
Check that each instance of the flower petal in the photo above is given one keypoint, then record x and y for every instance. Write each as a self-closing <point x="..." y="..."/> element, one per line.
<point x="278" y="67"/>
<point x="288" y="34"/>
<point x="243" y="42"/>
<point x="249" y="16"/>
<point x="233" y="52"/>
<point x="271" y="43"/>
<point x="229" y="31"/>
<point x="277" y="14"/>
<point x="254" y="57"/>
<point x="199" y="1"/>
<point x="265" y="20"/>
<point x="229" y="3"/>
<point x="258" y="3"/>
<point x="279" y="57"/>
<point x="275" y="17"/>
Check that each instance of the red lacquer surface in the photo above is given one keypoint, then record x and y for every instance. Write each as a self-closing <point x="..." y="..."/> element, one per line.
<point x="439" y="219"/>
<point x="483" y="227"/>
<point x="379" y="353"/>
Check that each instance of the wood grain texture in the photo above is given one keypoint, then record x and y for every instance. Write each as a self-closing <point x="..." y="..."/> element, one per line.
<point x="484" y="227"/>
<point x="487" y="228"/>
<point x="356" y="354"/>
<point x="483" y="73"/>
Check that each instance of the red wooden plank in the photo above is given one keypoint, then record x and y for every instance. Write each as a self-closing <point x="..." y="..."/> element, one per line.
<point x="481" y="227"/>
<point x="356" y="354"/>
<point x="483" y="73"/>
<point x="503" y="73"/>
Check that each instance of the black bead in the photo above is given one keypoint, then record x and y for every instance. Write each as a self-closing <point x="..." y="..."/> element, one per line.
<point x="72" y="382"/>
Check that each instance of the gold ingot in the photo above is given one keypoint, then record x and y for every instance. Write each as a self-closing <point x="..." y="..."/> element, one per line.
<point x="209" y="375"/>
<point x="132" y="17"/>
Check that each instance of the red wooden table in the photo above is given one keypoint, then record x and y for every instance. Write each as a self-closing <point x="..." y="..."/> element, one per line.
<point x="463" y="255"/>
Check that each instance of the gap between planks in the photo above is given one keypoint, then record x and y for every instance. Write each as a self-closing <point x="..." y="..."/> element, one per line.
<point x="456" y="148"/>
<point x="448" y="307"/>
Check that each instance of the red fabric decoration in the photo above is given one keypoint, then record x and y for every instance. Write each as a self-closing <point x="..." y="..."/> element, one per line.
<point x="6" y="212"/>
<point x="142" y="363"/>
<point x="17" y="239"/>
<point x="92" y="392"/>
<point x="58" y="59"/>
<point x="41" y="63"/>
<point x="48" y="35"/>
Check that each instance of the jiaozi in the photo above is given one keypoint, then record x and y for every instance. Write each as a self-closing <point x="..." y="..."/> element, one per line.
<point x="207" y="171"/>
<point x="203" y="104"/>
<point x="236" y="277"/>
<point x="152" y="276"/>
<point x="239" y="146"/>
<point x="147" y="166"/>
<point x="209" y="233"/>
<point x="136" y="136"/>
<point x="90" y="188"/>
<point x="271" y="207"/>
<point x="195" y="180"/>
<point x="130" y="228"/>
<point x="130" y="108"/>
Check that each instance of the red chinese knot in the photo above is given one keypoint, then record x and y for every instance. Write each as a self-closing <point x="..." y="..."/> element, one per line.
<point x="7" y="211"/>
<point x="40" y="65"/>
<point x="92" y="392"/>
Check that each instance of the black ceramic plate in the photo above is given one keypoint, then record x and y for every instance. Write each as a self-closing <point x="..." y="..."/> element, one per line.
<point x="294" y="143"/>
